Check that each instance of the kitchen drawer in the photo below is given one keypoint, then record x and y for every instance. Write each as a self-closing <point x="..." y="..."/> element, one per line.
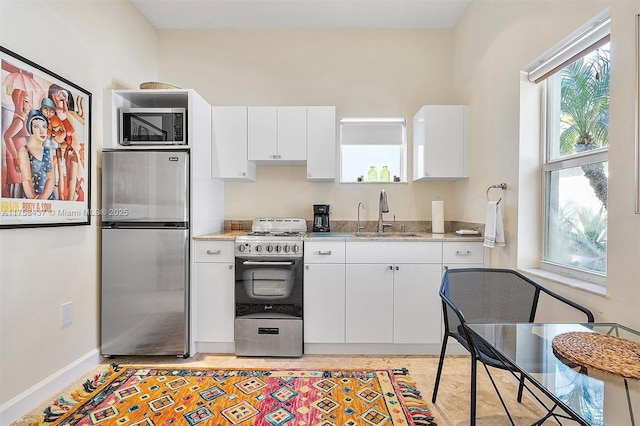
<point x="324" y="252"/>
<point x="214" y="251"/>
<point x="394" y="252"/>
<point x="462" y="252"/>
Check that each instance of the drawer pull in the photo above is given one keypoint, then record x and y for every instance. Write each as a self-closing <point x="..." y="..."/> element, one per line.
<point x="324" y="253"/>
<point x="463" y="253"/>
<point x="214" y="252"/>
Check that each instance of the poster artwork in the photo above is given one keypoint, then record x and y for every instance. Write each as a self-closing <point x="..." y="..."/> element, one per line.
<point x="45" y="128"/>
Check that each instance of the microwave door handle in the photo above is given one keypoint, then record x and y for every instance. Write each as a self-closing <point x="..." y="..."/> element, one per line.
<point x="255" y="262"/>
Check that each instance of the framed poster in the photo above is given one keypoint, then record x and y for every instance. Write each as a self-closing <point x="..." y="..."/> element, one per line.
<point x="46" y="146"/>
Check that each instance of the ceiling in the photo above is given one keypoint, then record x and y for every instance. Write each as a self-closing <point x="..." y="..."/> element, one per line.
<point x="301" y="14"/>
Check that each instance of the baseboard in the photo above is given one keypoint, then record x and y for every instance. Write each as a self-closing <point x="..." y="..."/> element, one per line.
<point x="36" y="395"/>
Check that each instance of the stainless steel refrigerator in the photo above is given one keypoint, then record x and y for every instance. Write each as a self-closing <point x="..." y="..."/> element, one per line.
<point x="145" y="253"/>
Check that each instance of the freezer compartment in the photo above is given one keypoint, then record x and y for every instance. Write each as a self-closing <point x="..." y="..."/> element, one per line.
<point x="268" y="335"/>
<point x="145" y="292"/>
<point x="145" y="186"/>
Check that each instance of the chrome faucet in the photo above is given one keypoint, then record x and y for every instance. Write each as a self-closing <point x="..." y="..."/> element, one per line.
<point x="383" y="208"/>
<point x="358" y="227"/>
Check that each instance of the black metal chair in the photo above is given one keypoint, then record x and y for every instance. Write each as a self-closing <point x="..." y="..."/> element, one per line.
<point x="486" y="295"/>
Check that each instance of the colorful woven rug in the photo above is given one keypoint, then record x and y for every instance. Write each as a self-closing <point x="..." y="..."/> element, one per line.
<point x="148" y="396"/>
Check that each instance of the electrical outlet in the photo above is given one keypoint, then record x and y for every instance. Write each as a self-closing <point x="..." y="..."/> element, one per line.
<point x="67" y="314"/>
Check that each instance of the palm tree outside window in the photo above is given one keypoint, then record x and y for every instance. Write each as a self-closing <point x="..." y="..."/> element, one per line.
<point x="575" y="166"/>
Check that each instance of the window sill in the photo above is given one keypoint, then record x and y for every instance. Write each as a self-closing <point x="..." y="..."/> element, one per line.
<point x="587" y="286"/>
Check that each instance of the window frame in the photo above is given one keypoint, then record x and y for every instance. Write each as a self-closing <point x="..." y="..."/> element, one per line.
<point x="548" y="165"/>
<point x="376" y="121"/>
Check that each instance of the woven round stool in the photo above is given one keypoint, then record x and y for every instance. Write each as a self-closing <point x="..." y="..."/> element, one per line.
<point x="602" y="352"/>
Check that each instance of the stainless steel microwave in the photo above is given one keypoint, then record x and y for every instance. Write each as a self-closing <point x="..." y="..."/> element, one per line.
<point x="153" y="126"/>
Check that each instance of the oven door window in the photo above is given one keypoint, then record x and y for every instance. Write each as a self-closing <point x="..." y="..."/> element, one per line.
<point x="268" y="286"/>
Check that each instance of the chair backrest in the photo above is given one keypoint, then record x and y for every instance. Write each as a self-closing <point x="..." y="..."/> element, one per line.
<point x="488" y="295"/>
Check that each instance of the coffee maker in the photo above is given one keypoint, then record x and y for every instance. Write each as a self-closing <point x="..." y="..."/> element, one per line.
<point x="321" y="218"/>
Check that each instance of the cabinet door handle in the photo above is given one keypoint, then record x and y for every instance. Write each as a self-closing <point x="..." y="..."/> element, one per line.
<point x="463" y="253"/>
<point x="214" y="252"/>
<point x="230" y="266"/>
<point x="324" y="253"/>
<point x="391" y="267"/>
<point x="397" y="268"/>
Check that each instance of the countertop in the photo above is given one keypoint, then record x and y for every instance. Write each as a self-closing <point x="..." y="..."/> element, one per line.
<point x="347" y="236"/>
<point x="389" y="236"/>
<point x="220" y="236"/>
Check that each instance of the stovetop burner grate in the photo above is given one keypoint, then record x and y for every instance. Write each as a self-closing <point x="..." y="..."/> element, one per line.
<point x="274" y="234"/>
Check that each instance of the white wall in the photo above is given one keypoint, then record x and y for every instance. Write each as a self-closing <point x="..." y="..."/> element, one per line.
<point x="492" y="43"/>
<point x="97" y="45"/>
<point x="362" y="72"/>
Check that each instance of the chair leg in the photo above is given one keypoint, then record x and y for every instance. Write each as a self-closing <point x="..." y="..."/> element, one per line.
<point x="472" y="410"/>
<point x="440" y="363"/>
<point x="520" y="387"/>
<point x="495" y="387"/>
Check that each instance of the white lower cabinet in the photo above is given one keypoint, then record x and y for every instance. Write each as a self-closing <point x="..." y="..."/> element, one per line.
<point x="416" y="304"/>
<point x="462" y="254"/>
<point x="369" y="303"/>
<point x="324" y="292"/>
<point x="379" y="295"/>
<point x="396" y="303"/>
<point x="214" y="300"/>
<point x="392" y="300"/>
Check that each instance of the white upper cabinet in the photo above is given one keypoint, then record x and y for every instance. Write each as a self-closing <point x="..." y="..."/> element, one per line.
<point x="321" y="143"/>
<point x="292" y="134"/>
<point x="441" y="143"/>
<point x="229" y="159"/>
<point x="277" y="135"/>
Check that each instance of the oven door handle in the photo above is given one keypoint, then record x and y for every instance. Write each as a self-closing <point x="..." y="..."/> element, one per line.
<point x="257" y="262"/>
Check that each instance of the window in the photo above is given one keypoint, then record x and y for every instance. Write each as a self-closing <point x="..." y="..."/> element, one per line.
<point x="373" y="150"/>
<point x="575" y="159"/>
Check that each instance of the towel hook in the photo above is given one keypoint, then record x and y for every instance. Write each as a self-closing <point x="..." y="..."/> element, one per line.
<point x="502" y="186"/>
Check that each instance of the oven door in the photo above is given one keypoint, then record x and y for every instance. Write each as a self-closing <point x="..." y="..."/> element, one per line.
<point x="268" y="285"/>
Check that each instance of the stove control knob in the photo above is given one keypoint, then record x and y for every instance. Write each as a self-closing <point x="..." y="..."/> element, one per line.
<point x="269" y="249"/>
<point x="258" y="248"/>
<point x="295" y="248"/>
<point x="286" y="248"/>
<point x="241" y="248"/>
<point x="278" y="249"/>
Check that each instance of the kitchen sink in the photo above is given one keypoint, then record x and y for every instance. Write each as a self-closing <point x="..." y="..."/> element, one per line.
<point x="387" y="235"/>
<point x="329" y="234"/>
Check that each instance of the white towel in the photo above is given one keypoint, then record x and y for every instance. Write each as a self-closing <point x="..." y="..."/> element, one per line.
<point x="493" y="227"/>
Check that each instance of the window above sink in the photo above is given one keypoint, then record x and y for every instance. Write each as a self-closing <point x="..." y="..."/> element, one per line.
<point x="373" y="150"/>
